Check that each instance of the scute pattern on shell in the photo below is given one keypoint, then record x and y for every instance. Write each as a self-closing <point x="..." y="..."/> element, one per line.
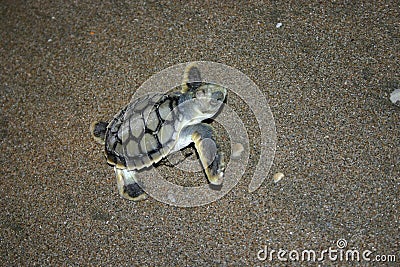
<point x="143" y="132"/>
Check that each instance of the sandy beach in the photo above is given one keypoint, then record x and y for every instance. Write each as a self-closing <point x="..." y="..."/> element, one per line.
<point x="326" y="69"/>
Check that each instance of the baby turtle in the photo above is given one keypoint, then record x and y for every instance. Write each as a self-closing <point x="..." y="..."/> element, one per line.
<point x="154" y="126"/>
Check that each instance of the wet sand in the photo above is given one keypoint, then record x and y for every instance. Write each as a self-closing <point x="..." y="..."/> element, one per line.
<point x="327" y="72"/>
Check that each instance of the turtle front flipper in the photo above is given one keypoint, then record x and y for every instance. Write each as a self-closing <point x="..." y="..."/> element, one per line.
<point x="210" y="156"/>
<point x="128" y="187"/>
<point x="191" y="78"/>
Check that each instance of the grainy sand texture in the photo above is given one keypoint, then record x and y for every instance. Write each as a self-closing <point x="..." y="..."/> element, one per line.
<point x="326" y="68"/>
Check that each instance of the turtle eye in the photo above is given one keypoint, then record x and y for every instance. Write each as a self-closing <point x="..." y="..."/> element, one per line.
<point x="218" y="96"/>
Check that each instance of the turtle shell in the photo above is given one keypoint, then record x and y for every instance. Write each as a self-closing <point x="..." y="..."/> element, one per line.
<point x="143" y="132"/>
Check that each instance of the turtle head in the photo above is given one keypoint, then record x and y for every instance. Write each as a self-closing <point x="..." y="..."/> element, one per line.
<point x="208" y="98"/>
<point x="203" y="102"/>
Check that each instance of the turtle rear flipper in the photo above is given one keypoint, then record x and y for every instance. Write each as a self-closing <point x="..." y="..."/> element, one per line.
<point x="128" y="187"/>
<point x="98" y="130"/>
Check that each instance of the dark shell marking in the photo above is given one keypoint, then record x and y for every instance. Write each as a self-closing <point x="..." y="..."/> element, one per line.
<point x="143" y="132"/>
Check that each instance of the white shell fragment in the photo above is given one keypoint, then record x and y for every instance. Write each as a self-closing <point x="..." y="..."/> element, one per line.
<point x="278" y="25"/>
<point x="237" y="150"/>
<point x="278" y="176"/>
<point x="395" y="97"/>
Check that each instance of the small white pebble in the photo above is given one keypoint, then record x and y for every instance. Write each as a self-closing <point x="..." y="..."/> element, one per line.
<point x="278" y="176"/>
<point x="237" y="150"/>
<point x="278" y="25"/>
<point x="172" y="198"/>
<point x="49" y="40"/>
<point x="395" y="97"/>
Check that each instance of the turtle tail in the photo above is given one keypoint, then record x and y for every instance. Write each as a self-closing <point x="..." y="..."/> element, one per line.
<point x="98" y="130"/>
